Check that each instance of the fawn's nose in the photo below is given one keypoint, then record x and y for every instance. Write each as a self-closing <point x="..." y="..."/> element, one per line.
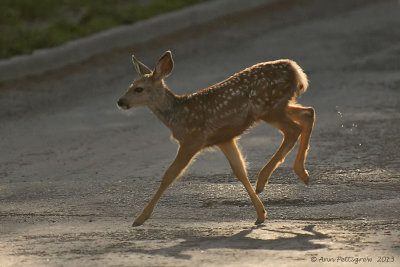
<point x="121" y="103"/>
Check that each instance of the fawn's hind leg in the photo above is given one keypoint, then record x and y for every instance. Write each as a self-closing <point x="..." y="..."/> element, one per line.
<point x="305" y="116"/>
<point x="234" y="157"/>
<point x="291" y="131"/>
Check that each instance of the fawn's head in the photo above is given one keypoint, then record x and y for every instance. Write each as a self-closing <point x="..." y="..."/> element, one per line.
<point x="149" y="86"/>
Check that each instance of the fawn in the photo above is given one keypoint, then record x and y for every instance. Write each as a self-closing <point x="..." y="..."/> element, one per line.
<point x="219" y="114"/>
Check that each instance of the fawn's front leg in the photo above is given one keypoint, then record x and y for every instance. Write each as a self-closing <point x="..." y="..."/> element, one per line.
<point x="182" y="159"/>
<point x="235" y="159"/>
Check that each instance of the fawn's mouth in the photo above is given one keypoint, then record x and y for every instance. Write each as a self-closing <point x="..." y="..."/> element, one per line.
<point x="123" y="107"/>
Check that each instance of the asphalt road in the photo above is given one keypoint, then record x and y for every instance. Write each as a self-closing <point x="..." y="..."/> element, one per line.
<point x="75" y="170"/>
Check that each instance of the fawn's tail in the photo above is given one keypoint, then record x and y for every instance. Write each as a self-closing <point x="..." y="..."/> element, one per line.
<point x="301" y="78"/>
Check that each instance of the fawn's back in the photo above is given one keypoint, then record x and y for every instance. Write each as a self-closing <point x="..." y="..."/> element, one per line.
<point x="226" y="109"/>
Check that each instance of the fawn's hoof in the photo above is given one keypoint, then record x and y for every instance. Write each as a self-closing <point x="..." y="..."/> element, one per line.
<point x="259" y="188"/>
<point x="136" y="224"/>
<point x="303" y="175"/>
<point x="259" y="221"/>
<point x="306" y="180"/>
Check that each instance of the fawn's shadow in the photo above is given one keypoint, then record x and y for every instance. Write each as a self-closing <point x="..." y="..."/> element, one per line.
<point x="295" y="241"/>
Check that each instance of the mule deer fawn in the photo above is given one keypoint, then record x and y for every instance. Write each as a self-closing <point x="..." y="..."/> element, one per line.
<point x="219" y="114"/>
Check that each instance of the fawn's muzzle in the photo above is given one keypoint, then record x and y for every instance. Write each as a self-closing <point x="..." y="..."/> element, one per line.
<point x="122" y="104"/>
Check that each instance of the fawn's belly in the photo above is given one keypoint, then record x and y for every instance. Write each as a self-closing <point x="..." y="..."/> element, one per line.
<point x="228" y="129"/>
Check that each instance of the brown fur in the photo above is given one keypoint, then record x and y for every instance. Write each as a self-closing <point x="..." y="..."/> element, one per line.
<point x="217" y="115"/>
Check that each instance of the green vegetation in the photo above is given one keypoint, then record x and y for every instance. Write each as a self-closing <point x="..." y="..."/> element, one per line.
<point x="26" y="25"/>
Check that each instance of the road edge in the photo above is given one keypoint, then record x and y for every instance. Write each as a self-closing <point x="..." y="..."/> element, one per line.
<point x="76" y="51"/>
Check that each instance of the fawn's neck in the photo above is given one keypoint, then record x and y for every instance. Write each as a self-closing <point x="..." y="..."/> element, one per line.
<point x="163" y="107"/>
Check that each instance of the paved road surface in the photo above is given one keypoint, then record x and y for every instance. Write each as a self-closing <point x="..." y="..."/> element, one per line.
<point x="75" y="171"/>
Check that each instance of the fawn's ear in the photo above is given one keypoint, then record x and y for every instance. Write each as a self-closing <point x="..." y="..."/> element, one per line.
<point x="164" y="66"/>
<point x="140" y="67"/>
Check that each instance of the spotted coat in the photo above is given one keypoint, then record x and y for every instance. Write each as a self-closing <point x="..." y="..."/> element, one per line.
<point x="226" y="109"/>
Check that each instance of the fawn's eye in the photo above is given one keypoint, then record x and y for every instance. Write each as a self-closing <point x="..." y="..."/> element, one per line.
<point x="138" y="90"/>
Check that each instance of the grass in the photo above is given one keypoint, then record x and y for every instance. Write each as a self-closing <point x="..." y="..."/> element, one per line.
<point x="27" y="25"/>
